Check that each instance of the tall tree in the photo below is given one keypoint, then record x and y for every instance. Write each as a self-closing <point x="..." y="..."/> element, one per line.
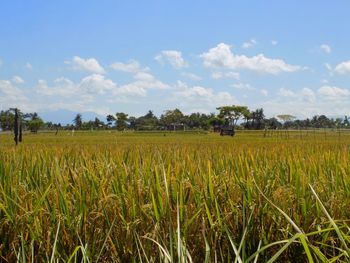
<point x="78" y="121"/>
<point x="171" y="117"/>
<point x="110" y="119"/>
<point x="285" y="118"/>
<point x="121" y="121"/>
<point x="232" y="113"/>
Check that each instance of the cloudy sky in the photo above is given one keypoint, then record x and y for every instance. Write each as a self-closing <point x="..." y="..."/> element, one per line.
<point x="109" y="56"/>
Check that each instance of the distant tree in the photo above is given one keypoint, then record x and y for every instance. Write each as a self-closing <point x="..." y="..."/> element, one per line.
<point x="7" y="120"/>
<point x="121" y="121"/>
<point x="35" y="124"/>
<point x="78" y="121"/>
<point x="147" y="122"/>
<point x="232" y="113"/>
<point x="98" y="124"/>
<point x="272" y="123"/>
<point x="216" y="121"/>
<point x="132" y="122"/>
<point x="258" y="119"/>
<point x="171" y="117"/>
<point x="346" y="122"/>
<point x="285" y="118"/>
<point x="110" y="119"/>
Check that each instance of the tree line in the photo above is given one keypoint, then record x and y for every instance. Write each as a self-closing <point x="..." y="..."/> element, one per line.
<point x="241" y="117"/>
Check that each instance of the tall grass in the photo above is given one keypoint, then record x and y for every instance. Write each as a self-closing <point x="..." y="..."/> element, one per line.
<point x="112" y="197"/>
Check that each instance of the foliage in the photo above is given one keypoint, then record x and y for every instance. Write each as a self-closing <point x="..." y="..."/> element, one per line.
<point x="233" y="113"/>
<point x="78" y="121"/>
<point x="121" y="119"/>
<point x="126" y="197"/>
<point x="171" y="117"/>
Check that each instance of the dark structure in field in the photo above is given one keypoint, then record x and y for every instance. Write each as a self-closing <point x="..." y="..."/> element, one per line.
<point x="227" y="130"/>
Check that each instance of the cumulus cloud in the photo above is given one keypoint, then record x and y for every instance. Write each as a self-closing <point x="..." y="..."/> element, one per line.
<point x="199" y="97"/>
<point x="191" y="76"/>
<point x="333" y="93"/>
<point x="90" y="65"/>
<point x="132" y="66"/>
<point x="328" y="66"/>
<point x="274" y="42"/>
<point x="264" y="92"/>
<point x="229" y="75"/>
<point x="97" y="84"/>
<point x="307" y="95"/>
<point x="84" y="91"/>
<point x="28" y="66"/>
<point x="62" y="87"/>
<point x="343" y="67"/>
<point x="11" y="96"/>
<point x="173" y="57"/>
<point x="17" y="80"/>
<point x="243" y="86"/>
<point x="222" y="57"/>
<point x="143" y="82"/>
<point x="306" y="102"/>
<point x="326" y="48"/>
<point x="249" y="44"/>
<point x="143" y="79"/>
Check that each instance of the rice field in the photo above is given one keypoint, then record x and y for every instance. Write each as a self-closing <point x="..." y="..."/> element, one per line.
<point x="175" y="197"/>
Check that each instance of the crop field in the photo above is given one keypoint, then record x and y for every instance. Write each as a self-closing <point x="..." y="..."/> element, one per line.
<point x="175" y="197"/>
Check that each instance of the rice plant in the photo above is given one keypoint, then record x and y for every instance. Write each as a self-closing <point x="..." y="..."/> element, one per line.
<point x="128" y="197"/>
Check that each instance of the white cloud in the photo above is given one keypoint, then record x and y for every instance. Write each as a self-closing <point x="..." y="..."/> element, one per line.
<point x="307" y="95"/>
<point x="326" y="48"/>
<point x="85" y="90"/>
<point x="306" y="103"/>
<point x="264" y="92"/>
<point x="173" y="57"/>
<point x="62" y="87"/>
<point x="17" y="80"/>
<point x="274" y="42"/>
<point x="28" y="66"/>
<point x="286" y="93"/>
<point x="11" y="96"/>
<point x="132" y="66"/>
<point x="229" y="75"/>
<point x="97" y="84"/>
<point x="222" y="57"/>
<point x="90" y="65"/>
<point x="243" y="86"/>
<point x="249" y="44"/>
<point x="333" y="93"/>
<point x="343" y="67"/>
<point x="191" y="76"/>
<point x="143" y="81"/>
<point x="328" y="66"/>
<point x="198" y="96"/>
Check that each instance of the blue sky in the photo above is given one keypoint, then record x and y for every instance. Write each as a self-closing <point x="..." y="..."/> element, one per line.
<point x="105" y="56"/>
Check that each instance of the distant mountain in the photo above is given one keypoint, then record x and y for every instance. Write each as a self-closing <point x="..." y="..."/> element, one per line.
<point x="66" y="117"/>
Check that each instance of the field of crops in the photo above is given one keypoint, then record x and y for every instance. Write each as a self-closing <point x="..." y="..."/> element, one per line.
<point x="175" y="197"/>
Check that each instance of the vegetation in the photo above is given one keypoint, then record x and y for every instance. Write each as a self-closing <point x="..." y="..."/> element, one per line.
<point x="239" y="116"/>
<point x="145" y="197"/>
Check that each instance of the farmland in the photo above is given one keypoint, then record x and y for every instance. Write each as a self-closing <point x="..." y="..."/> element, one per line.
<point x="175" y="197"/>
